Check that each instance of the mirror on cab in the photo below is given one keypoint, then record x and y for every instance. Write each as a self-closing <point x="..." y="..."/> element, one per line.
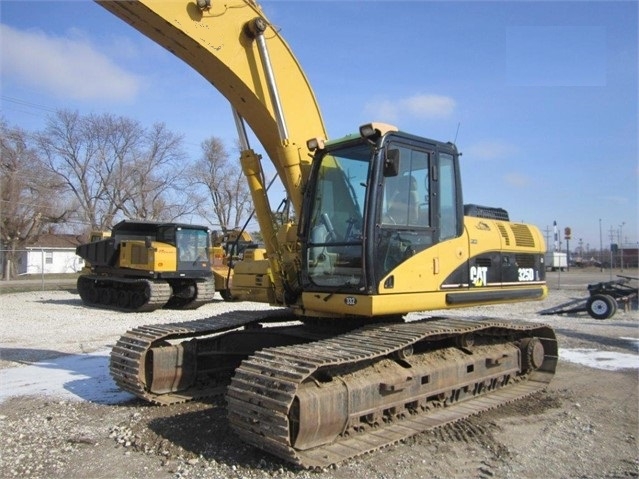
<point x="391" y="162"/>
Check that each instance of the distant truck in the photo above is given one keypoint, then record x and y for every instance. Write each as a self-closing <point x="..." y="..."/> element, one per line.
<point x="556" y="261"/>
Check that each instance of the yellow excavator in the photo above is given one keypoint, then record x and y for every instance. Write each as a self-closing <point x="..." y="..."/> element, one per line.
<point x="337" y="368"/>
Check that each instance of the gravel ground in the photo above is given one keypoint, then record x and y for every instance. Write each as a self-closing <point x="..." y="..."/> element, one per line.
<point x="61" y="416"/>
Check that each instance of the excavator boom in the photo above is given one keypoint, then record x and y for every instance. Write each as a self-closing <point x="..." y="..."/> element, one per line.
<point x="220" y="43"/>
<point x="234" y="47"/>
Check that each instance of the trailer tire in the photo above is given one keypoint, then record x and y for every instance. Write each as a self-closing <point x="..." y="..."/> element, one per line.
<point x="601" y="306"/>
<point x="227" y="295"/>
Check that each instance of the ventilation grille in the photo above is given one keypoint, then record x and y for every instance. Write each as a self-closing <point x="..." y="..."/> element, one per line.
<point x="525" y="260"/>
<point x="138" y="254"/>
<point x="523" y="236"/>
<point x="504" y="233"/>
<point x="483" y="262"/>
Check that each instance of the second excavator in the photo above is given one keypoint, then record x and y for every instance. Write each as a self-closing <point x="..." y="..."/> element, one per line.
<point x="337" y="367"/>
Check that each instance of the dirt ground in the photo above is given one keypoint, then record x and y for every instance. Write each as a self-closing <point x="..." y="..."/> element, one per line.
<point x="584" y="425"/>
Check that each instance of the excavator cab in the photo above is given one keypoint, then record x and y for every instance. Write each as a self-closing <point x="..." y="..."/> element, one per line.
<point x="373" y="203"/>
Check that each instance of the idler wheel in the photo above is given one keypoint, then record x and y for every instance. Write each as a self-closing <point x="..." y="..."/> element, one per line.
<point x="465" y="341"/>
<point x="532" y="354"/>
<point x="404" y="353"/>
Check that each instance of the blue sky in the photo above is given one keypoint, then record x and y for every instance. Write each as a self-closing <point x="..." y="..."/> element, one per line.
<point x="542" y="96"/>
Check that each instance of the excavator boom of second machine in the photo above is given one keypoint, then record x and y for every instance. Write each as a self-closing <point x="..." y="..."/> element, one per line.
<point x="336" y="369"/>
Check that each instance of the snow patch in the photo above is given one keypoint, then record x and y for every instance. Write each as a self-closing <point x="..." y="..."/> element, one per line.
<point x="79" y="377"/>
<point x="595" y="358"/>
<point x="632" y="340"/>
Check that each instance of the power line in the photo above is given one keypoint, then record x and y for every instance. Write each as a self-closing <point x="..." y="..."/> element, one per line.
<point x="28" y="104"/>
<point x="26" y="112"/>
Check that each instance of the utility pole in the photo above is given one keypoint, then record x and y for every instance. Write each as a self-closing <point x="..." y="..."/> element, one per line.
<point x="547" y="235"/>
<point x="612" y="246"/>
<point x="600" y="247"/>
<point x="581" y="250"/>
<point x="621" y="242"/>
<point x="567" y="236"/>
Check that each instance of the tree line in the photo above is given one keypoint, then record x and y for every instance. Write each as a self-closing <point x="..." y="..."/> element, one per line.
<point x="87" y="172"/>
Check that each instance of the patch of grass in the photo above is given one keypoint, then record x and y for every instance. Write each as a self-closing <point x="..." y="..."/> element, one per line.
<point x="47" y="277"/>
<point x="34" y="282"/>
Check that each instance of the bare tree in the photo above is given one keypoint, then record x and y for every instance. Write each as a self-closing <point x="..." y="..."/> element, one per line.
<point x="228" y="200"/>
<point x="114" y="167"/>
<point x="157" y="178"/>
<point x="82" y="164"/>
<point x="32" y="199"/>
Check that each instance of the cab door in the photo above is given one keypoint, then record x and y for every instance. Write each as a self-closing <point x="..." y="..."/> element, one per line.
<point x="419" y="236"/>
<point x="404" y="224"/>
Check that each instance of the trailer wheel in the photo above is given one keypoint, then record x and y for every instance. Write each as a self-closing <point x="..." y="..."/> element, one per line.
<point x="226" y="295"/>
<point x="601" y="306"/>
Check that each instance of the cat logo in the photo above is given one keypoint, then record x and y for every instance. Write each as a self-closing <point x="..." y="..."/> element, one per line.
<point x="479" y="275"/>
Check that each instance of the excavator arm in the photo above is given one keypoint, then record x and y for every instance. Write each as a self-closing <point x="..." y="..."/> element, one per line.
<point x="234" y="47"/>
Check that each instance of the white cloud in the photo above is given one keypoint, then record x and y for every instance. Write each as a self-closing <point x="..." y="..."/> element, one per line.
<point x="517" y="180"/>
<point x="416" y="106"/>
<point x="615" y="199"/>
<point x="66" y="67"/>
<point x="490" y="150"/>
<point x="429" y="106"/>
<point x="385" y="109"/>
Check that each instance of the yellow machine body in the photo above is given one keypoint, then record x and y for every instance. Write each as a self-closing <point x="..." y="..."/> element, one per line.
<point x="424" y="283"/>
<point x="156" y="256"/>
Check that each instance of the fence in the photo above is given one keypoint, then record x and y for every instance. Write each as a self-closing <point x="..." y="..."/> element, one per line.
<point x="39" y="262"/>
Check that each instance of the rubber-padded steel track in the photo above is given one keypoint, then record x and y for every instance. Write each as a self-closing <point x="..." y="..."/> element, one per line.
<point x="128" y="356"/>
<point x="142" y="295"/>
<point x="263" y="391"/>
<point x="205" y="294"/>
<point x="264" y="387"/>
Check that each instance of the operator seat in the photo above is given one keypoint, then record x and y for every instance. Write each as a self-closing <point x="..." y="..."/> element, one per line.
<point x="319" y="259"/>
<point x="403" y="207"/>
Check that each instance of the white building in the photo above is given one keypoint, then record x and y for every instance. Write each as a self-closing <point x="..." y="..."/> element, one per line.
<point x="51" y="254"/>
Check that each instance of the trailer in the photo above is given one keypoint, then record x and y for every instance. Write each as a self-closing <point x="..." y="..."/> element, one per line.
<point x="556" y="260"/>
<point x="603" y="301"/>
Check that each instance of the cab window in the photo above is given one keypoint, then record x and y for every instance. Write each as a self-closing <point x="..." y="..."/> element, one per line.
<point x="447" y="197"/>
